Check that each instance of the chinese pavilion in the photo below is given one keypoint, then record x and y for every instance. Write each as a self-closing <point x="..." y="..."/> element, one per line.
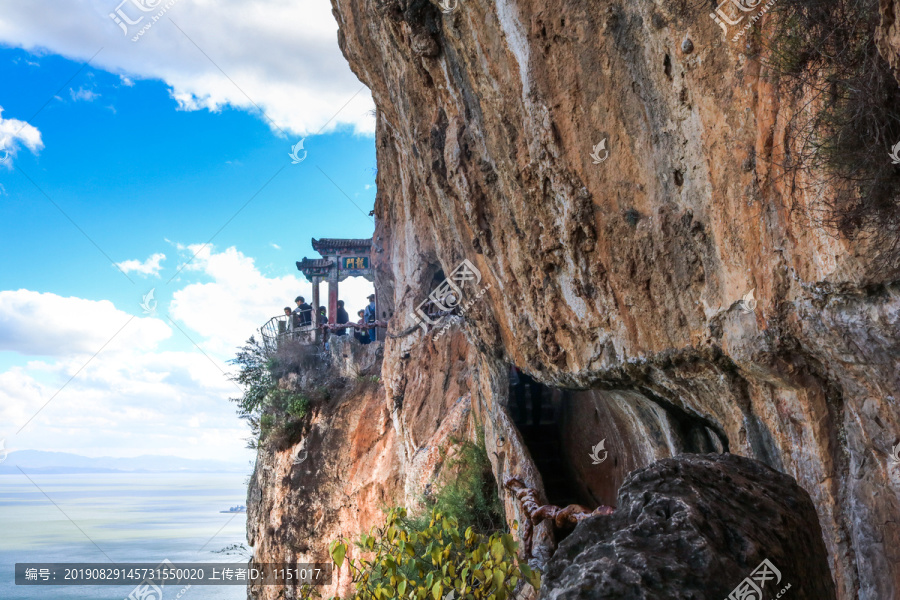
<point x="341" y="258"/>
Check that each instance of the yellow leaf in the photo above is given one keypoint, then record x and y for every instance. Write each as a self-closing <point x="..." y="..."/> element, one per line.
<point x="338" y="553"/>
<point x="497" y="550"/>
<point x="498" y="578"/>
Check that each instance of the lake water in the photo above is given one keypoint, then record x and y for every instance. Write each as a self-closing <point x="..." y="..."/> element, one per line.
<point x="131" y="517"/>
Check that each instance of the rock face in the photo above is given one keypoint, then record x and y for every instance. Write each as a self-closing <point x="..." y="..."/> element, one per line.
<point x="362" y="456"/>
<point x="618" y="190"/>
<point x="294" y="510"/>
<point x="625" y="272"/>
<point x="696" y="526"/>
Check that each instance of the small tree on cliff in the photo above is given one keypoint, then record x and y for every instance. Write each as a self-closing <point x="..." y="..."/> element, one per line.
<point x="255" y="377"/>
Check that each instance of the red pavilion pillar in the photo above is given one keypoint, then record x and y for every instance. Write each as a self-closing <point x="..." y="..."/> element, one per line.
<point x="332" y="300"/>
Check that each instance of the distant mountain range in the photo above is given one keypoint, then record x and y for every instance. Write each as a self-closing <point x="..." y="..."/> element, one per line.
<point x="37" y="461"/>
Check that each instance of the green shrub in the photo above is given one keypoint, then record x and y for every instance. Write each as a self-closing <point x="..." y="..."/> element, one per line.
<point x="467" y="491"/>
<point x="274" y="414"/>
<point x="297" y="406"/>
<point x="267" y="423"/>
<point x="287" y="401"/>
<point x="432" y="561"/>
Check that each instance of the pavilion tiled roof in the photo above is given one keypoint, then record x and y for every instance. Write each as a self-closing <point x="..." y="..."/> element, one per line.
<point x="331" y="244"/>
<point x="308" y="263"/>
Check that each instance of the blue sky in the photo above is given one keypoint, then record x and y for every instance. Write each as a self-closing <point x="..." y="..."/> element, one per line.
<point x="146" y="162"/>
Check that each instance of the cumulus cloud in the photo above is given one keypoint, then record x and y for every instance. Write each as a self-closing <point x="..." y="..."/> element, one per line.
<point x="239" y="299"/>
<point x="134" y="398"/>
<point x="280" y="56"/>
<point x="44" y="324"/>
<point x="129" y="403"/>
<point x="15" y="133"/>
<point x="151" y="266"/>
<point x="129" y="399"/>
<point x="229" y="309"/>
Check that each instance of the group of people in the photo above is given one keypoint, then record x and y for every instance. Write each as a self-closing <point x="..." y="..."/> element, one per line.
<point x="302" y="316"/>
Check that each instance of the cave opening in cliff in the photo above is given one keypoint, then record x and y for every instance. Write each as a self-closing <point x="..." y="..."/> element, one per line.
<point x="584" y="443"/>
<point x="539" y="412"/>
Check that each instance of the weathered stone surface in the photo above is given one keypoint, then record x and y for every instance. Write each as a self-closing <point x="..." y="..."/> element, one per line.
<point x="626" y="275"/>
<point x="364" y="454"/>
<point x="622" y="277"/>
<point x="694" y="527"/>
<point x="294" y="510"/>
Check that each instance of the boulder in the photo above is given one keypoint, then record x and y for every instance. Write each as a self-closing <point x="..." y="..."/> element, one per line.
<point x="699" y="527"/>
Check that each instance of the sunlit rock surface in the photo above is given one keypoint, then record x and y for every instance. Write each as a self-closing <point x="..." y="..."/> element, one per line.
<point x="617" y="195"/>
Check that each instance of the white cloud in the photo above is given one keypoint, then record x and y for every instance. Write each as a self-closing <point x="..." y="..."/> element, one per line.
<point x="282" y="54"/>
<point x="124" y="404"/>
<point x="13" y="133"/>
<point x="151" y="266"/>
<point x="276" y="246"/>
<point x="83" y="94"/>
<point x="126" y="400"/>
<point x="229" y="309"/>
<point x="133" y="398"/>
<point x="44" y="324"/>
<point x="239" y="299"/>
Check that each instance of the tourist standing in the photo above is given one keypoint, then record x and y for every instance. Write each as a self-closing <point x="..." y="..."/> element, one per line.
<point x="342" y="317"/>
<point x="303" y="312"/>
<point x="361" y="334"/>
<point x="371" y="316"/>
<point x="285" y="325"/>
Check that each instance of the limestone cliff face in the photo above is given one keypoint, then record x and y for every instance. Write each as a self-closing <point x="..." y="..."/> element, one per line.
<point x="624" y="277"/>
<point x="362" y="455"/>
<point x="616" y="282"/>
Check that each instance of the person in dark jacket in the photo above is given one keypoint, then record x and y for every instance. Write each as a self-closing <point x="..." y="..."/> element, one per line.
<point x="342" y="317"/>
<point x="303" y="312"/>
<point x="323" y="315"/>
